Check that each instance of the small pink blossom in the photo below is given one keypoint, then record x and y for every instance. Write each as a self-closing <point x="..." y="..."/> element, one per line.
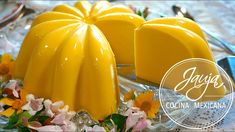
<point x="134" y="116"/>
<point x="141" y="125"/>
<point x="63" y="118"/>
<point x="33" y="105"/>
<point x="59" y="119"/>
<point x="48" y="128"/>
<point x="95" y="128"/>
<point x="25" y="121"/>
<point x="14" y="86"/>
<point x="35" y="124"/>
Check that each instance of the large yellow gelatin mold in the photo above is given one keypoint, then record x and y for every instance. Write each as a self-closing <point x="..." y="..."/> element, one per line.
<point x="66" y="55"/>
<point x="163" y="42"/>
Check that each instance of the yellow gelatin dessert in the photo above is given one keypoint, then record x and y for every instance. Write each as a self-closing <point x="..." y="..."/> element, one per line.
<point x="116" y="22"/>
<point x="67" y="56"/>
<point x="163" y="42"/>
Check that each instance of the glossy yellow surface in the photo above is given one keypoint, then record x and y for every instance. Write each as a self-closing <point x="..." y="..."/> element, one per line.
<point x="180" y="22"/>
<point x="161" y="43"/>
<point x="67" y="55"/>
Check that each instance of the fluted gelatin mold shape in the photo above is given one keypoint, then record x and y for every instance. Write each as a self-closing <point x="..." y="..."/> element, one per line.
<point x="69" y="54"/>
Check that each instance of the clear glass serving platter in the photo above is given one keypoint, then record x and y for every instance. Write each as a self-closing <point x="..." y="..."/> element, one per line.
<point x="12" y="35"/>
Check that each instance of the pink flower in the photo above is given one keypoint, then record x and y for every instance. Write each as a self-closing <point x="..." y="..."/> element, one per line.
<point x="35" y="124"/>
<point x="63" y="118"/>
<point x="95" y="128"/>
<point x="33" y="105"/>
<point x="14" y="86"/>
<point x="48" y="128"/>
<point x="59" y="119"/>
<point x="134" y="116"/>
<point x="52" y="108"/>
<point x="141" y="125"/>
<point x="25" y="121"/>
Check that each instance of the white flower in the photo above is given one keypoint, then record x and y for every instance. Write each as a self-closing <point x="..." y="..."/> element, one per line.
<point x="64" y="109"/>
<point x="48" y="111"/>
<point x="33" y="105"/>
<point x="52" y="108"/>
<point x="95" y="128"/>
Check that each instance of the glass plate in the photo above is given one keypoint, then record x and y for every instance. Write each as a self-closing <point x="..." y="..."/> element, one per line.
<point x="13" y="34"/>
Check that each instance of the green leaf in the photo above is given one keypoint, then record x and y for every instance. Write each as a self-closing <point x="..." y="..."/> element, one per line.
<point x="140" y="13"/>
<point x="22" y="128"/>
<point x="42" y="119"/>
<point x="117" y="119"/>
<point x="35" y="117"/>
<point x="23" y="114"/>
<point x="13" y="119"/>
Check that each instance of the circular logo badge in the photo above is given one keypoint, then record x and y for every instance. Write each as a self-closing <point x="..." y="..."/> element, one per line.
<point x="196" y="93"/>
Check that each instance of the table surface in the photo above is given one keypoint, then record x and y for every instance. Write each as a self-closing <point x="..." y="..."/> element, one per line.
<point x="217" y="16"/>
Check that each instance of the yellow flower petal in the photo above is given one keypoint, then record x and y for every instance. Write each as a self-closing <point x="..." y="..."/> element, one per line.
<point x="19" y="111"/>
<point x="7" y="101"/>
<point x="142" y="97"/>
<point x="8" y="112"/>
<point x="151" y="115"/>
<point x="17" y="104"/>
<point x="146" y="102"/>
<point x="11" y="67"/>
<point x="23" y="95"/>
<point x="6" y="58"/>
<point x="4" y="68"/>
<point x="154" y="108"/>
<point x="130" y="95"/>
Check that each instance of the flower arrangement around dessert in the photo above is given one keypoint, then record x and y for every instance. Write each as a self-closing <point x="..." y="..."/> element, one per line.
<point x="27" y="112"/>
